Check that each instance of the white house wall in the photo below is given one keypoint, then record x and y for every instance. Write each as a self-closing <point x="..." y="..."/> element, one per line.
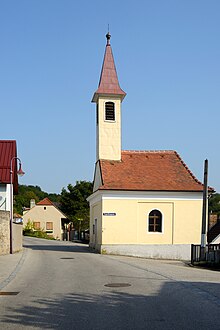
<point x="5" y="197"/>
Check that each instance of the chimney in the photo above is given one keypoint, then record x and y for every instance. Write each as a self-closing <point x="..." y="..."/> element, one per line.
<point x="32" y="203"/>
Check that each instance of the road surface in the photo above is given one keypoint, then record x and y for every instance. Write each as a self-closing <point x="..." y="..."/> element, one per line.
<point x="62" y="285"/>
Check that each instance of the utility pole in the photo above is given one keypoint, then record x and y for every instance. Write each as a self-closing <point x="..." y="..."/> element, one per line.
<point x="204" y="207"/>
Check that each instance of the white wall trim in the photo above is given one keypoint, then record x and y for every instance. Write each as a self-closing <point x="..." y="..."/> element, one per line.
<point x="143" y="195"/>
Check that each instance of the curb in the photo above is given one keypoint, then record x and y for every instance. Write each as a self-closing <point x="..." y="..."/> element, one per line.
<point x="13" y="274"/>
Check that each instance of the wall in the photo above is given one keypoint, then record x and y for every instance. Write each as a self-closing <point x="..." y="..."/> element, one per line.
<point x="5" y="197"/>
<point x="108" y="134"/>
<point x="96" y="226"/>
<point x="4" y="232"/>
<point x="181" y="221"/>
<point x="124" y="222"/>
<point x="17" y="237"/>
<point x="164" y="251"/>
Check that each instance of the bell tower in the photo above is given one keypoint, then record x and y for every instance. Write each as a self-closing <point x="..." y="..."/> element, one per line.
<point x="108" y="99"/>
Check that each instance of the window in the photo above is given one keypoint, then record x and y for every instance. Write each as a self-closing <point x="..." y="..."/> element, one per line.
<point x="49" y="226"/>
<point x="155" y="221"/>
<point x="36" y="225"/>
<point x="109" y="111"/>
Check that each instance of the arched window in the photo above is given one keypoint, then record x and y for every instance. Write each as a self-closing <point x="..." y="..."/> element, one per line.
<point x="109" y="111"/>
<point x="155" y="221"/>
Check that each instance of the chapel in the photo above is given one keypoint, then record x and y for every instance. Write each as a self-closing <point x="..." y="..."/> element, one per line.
<point x="144" y="203"/>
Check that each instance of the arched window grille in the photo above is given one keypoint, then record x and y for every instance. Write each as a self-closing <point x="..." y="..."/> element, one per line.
<point x="110" y="111"/>
<point x="155" y="221"/>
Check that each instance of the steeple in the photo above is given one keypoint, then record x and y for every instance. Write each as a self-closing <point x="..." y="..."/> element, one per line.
<point x="108" y="98"/>
<point x="108" y="83"/>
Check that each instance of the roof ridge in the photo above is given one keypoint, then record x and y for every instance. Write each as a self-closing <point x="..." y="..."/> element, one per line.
<point x="152" y="151"/>
<point x="44" y="200"/>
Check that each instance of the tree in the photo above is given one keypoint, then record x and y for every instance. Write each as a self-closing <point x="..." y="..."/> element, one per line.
<point x="26" y="193"/>
<point x="23" y="200"/>
<point x="74" y="204"/>
<point x="214" y="204"/>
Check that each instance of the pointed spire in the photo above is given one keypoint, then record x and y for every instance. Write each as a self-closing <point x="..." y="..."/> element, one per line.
<point x="108" y="83"/>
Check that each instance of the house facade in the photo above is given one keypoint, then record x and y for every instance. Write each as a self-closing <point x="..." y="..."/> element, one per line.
<point x="46" y="216"/>
<point x="8" y="152"/>
<point x="144" y="203"/>
<point x="10" y="233"/>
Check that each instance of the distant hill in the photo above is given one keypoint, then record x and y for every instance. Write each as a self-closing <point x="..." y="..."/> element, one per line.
<point x="26" y="193"/>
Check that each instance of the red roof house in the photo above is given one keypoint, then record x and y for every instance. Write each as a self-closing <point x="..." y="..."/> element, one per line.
<point x="8" y="150"/>
<point x="47" y="216"/>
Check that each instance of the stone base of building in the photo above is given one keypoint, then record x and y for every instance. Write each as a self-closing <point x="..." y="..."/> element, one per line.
<point x="156" y="251"/>
<point x="17" y="243"/>
<point x="17" y="231"/>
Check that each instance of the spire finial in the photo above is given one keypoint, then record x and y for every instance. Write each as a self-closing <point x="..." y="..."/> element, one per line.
<point x="108" y="36"/>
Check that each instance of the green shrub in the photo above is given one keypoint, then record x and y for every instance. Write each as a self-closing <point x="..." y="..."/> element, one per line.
<point x="29" y="231"/>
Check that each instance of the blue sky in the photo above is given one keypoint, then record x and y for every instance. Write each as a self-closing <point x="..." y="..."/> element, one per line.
<point x="167" y="55"/>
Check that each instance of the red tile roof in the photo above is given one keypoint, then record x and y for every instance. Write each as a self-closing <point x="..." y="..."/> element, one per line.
<point x="45" y="201"/>
<point x="149" y="171"/>
<point x="108" y="83"/>
<point x="8" y="150"/>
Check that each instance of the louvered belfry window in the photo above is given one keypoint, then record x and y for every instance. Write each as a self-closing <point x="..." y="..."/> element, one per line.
<point x="110" y="111"/>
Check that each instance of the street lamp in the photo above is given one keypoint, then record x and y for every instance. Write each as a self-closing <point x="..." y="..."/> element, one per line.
<point x="20" y="173"/>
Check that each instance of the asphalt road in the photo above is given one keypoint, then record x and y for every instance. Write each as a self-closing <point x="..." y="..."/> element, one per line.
<point x="62" y="285"/>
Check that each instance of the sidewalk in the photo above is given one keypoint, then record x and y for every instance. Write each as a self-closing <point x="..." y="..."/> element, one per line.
<point x="10" y="264"/>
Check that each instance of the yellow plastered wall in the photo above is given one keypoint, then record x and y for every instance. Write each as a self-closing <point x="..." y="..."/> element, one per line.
<point x="96" y="224"/>
<point x="122" y="227"/>
<point x="181" y="222"/>
<point x="108" y="133"/>
<point x="189" y="217"/>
